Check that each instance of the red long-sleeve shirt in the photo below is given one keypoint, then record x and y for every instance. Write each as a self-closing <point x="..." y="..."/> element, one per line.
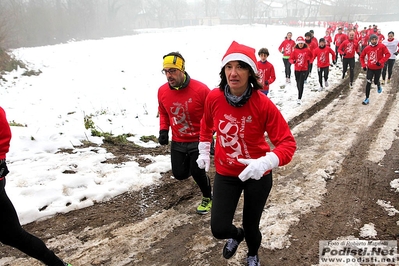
<point x="364" y="40"/>
<point x="323" y="56"/>
<point x="5" y="134"/>
<point x="339" y="38"/>
<point x="328" y="40"/>
<point x="378" y="53"/>
<point x="182" y="110"/>
<point x="241" y="131"/>
<point x="349" y="48"/>
<point x="266" y="73"/>
<point x="286" y="47"/>
<point x="300" y="57"/>
<point x="314" y="43"/>
<point x="381" y="37"/>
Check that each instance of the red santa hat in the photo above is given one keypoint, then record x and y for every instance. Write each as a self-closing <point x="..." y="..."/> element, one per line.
<point x="240" y="52"/>
<point x="300" y="39"/>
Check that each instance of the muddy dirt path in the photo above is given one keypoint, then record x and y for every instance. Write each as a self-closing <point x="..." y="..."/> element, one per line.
<point x="329" y="190"/>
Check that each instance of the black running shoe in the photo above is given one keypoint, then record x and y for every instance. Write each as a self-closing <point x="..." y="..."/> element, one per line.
<point x="253" y="260"/>
<point x="231" y="245"/>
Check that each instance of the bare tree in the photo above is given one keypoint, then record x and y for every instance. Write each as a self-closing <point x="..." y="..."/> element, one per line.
<point x="157" y="10"/>
<point x="177" y="8"/>
<point x="251" y="9"/>
<point x="237" y="9"/>
<point x="211" y="8"/>
<point x="39" y="22"/>
<point x="130" y="11"/>
<point x="3" y="24"/>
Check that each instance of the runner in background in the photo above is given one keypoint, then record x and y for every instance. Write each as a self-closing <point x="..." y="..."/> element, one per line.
<point x="338" y="39"/>
<point x="377" y="54"/>
<point x="266" y="70"/>
<point x="348" y="49"/>
<point x="300" y="57"/>
<point x="328" y="38"/>
<point x="286" y="48"/>
<point x="312" y="45"/>
<point x="323" y="53"/>
<point x="393" y="47"/>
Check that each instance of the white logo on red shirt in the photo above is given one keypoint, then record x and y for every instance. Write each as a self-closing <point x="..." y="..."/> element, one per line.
<point x="181" y="117"/>
<point x="373" y="57"/>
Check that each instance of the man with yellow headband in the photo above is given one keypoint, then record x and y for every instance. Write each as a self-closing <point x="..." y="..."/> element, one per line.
<point x="181" y="106"/>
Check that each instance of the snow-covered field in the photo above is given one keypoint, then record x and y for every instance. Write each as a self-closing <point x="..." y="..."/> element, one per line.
<point x="115" y="81"/>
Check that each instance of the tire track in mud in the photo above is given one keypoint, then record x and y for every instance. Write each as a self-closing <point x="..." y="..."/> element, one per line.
<point x="350" y="200"/>
<point x="340" y="91"/>
<point x="158" y="225"/>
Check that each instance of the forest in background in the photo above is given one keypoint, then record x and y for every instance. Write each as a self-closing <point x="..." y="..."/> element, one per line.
<point x="27" y="23"/>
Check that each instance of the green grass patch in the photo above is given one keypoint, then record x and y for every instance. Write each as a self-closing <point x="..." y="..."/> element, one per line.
<point x="15" y="124"/>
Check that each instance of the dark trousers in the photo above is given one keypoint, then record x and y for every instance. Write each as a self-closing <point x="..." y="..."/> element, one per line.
<point x="310" y="67"/>
<point x="388" y="65"/>
<point x="300" y="81"/>
<point x="351" y="63"/>
<point x="226" y="194"/>
<point x="322" y="71"/>
<point x="184" y="157"/>
<point x="372" y="74"/>
<point x="338" y="54"/>
<point x="12" y="234"/>
<point x="287" y="67"/>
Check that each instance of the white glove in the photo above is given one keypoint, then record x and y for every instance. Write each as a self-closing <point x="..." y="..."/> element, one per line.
<point x="257" y="167"/>
<point x="204" y="160"/>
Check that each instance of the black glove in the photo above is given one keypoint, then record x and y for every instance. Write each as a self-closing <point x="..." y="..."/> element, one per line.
<point x="294" y="61"/>
<point x="3" y="169"/>
<point x="364" y="68"/>
<point x="378" y="63"/>
<point x="266" y="82"/>
<point x="396" y="53"/>
<point x="343" y="54"/>
<point x="163" y="137"/>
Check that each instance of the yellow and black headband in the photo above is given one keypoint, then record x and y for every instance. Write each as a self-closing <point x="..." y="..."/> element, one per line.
<point x="173" y="61"/>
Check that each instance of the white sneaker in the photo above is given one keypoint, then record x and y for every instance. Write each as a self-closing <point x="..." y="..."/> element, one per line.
<point x="321" y="89"/>
<point x="326" y="83"/>
<point x="299" y="101"/>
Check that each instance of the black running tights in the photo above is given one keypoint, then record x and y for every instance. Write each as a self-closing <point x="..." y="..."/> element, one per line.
<point x="184" y="157"/>
<point x="287" y="67"/>
<point x="388" y="65"/>
<point x="370" y="75"/>
<point x="300" y="77"/>
<point x="12" y="234"/>
<point x="351" y="63"/>
<point x="323" y="71"/>
<point x="226" y="194"/>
